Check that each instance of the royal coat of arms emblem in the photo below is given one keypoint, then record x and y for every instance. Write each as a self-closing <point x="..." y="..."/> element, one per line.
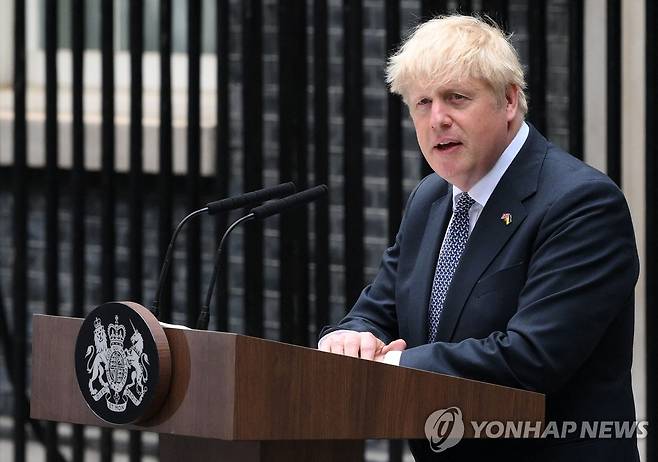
<point x="116" y="371"/>
<point x="122" y="362"/>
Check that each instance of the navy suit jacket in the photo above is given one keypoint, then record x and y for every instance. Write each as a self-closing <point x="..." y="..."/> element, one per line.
<point x="545" y="303"/>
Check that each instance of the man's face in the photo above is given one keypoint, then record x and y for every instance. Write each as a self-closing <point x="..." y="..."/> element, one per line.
<point x="462" y="128"/>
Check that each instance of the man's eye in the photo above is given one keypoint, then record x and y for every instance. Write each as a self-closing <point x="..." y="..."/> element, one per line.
<point x="423" y="102"/>
<point x="457" y="97"/>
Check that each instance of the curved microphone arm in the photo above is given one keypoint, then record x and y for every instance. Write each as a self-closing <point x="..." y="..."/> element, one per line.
<point x="155" y="306"/>
<point x="202" y="321"/>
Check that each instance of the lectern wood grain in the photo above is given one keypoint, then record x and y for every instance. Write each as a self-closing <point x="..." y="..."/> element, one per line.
<point x="234" y="387"/>
<point x="319" y="395"/>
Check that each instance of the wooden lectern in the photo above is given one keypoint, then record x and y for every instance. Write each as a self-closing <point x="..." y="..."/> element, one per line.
<point x="239" y="398"/>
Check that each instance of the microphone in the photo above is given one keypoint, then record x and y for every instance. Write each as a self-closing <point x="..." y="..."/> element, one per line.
<point x="301" y="198"/>
<point x="261" y="212"/>
<point x="253" y="197"/>
<point x="230" y="203"/>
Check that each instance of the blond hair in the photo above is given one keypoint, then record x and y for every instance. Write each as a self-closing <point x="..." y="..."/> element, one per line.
<point x="452" y="48"/>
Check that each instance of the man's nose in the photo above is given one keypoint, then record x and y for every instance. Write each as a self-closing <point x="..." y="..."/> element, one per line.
<point x="440" y="115"/>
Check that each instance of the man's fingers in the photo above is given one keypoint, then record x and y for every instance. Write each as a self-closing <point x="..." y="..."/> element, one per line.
<point x="335" y="344"/>
<point x="336" y="347"/>
<point x="369" y="345"/>
<point x="351" y="346"/>
<point x="356" y="344"/>
<point x="395" y="345"/>
<point x="325" y="345"/>
<point x="328" y="340"/>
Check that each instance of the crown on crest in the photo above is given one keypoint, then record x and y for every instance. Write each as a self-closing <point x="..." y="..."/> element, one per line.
<point x="98" y="327"/>
<point x="116" y="332"/>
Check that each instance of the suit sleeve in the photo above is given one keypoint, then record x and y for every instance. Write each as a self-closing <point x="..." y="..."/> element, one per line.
<point x="375" y="311"/>
<point x="581" y="275"/>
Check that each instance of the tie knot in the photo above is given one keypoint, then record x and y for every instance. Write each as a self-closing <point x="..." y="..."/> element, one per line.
<point x="464" y="202"/>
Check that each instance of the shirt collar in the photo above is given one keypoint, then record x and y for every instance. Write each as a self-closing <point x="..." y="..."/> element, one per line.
<point x="484" y="188"/>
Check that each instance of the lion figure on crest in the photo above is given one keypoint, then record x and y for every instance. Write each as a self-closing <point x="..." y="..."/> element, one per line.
<point x="97" y="356"/>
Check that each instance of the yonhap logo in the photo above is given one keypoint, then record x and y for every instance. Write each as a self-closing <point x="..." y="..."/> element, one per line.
<point x="444" y="428"/>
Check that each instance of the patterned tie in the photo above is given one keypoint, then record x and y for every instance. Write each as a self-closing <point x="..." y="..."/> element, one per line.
<point x="451" y="251"/>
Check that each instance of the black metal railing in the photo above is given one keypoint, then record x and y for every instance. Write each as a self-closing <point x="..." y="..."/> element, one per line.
<point x="19" y="275"/>
<point x="288" y="276"/>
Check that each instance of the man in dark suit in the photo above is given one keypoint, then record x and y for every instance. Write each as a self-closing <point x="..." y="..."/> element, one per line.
<point x="514" y="264"/>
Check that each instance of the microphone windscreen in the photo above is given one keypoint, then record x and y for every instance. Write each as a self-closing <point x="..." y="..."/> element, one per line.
<point x="251" y="198"/>
<point x="301" y="198"/>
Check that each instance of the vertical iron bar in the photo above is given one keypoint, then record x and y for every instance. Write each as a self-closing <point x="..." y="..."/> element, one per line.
<point x="78" y="189"/>
<point x="496" y="10"/>
<point x="321" y="161"/>
<point x="193" y="235"/>
<point x="651" y="156"/>
<point x="136" y="150"/>
<point x="223" y="154"/>
<point x="613" y="112"/>
<point x="576" y="29"/>
<point x="394" y="128"/>
<point x="432" y="8"/>
<point x="136" y="202"/>
<point x="165" y="177"/>
<point x="293" y="275"/>
<point x="52" y="188"/>
<point x="252" y="97"/>
<point x="537" y="64"/>
<point x="300" y="147"/>
<point x="353" y="163"/>
<point x="107" y="178"/>
<point x="395" y="450"/>
<point x="287" y="171"/>
<point x="19" y="234"/>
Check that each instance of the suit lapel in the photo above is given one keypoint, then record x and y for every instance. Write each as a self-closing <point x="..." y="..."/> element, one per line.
<point x="424" y="269"/>
<point x="491" y="233"/>
<point x="488" y="237"/>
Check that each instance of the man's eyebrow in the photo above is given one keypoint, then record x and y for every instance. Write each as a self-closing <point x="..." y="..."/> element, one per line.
<point x="419" y="95"/>
<point x="456" y="88"/>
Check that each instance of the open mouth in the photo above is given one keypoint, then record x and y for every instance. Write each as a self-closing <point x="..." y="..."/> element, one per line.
<point x="447" y="146"/>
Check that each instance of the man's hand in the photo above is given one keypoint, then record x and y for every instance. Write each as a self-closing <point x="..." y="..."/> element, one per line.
<point x="362" y="345"/>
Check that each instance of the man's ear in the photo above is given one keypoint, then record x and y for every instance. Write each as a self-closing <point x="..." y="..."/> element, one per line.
<point x="511" y="101"/>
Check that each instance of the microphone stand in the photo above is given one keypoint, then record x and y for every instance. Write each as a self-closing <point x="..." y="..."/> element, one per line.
<point x="202" y="320"/>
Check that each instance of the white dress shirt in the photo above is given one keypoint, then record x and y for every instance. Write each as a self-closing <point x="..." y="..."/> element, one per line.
<point x="480" y="193"/>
